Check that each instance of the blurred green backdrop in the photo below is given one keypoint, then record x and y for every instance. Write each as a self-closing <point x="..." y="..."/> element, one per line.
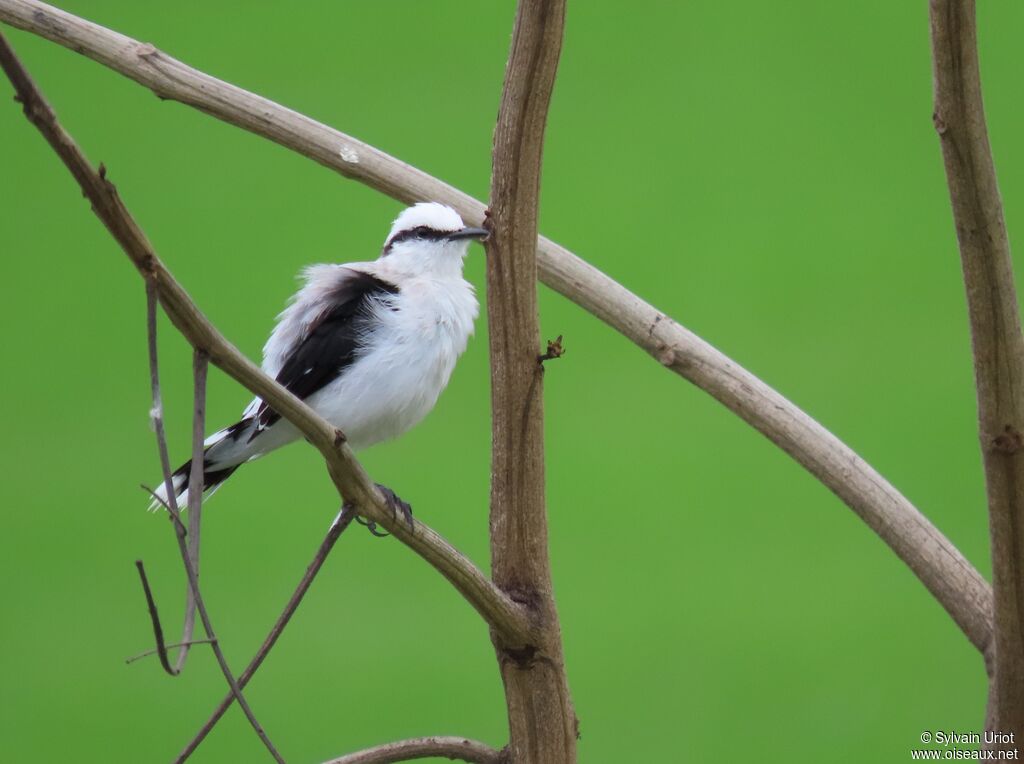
<point x="765" y="173"/>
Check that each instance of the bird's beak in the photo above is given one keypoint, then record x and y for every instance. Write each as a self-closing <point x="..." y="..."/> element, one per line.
<point x="469" y="233"/>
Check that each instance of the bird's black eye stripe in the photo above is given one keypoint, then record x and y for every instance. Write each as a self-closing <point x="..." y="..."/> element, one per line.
<point x="419" y="232"/>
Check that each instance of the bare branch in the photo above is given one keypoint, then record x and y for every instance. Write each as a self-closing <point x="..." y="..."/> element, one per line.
<point x="156" y="415"/>
<point x="32" y="94"/>
<point x="351" y="480"/>
<point x="236" y="691"/>
<point x="996" y="336"/>
<point x="200" y="367"/>
<point x="542" y="722"/>
<point x="940" y="566"/>
<point x="338" y="527"/>
<point x="424" y="748"/>
<point x="954" y="582"/>
<point x="156" y="411"/>
<point x="158" y="629"/>
<point x="156" y="650"/>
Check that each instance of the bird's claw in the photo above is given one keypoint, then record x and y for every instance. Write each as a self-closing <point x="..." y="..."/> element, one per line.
<point x="397" y="506"/>
<point x="371" y="526"/>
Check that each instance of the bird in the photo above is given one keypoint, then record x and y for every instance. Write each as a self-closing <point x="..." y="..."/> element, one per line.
<point x="370" y="346"/>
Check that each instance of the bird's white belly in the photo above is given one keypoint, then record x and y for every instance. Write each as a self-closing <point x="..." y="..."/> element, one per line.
<point x="396" y="380"/>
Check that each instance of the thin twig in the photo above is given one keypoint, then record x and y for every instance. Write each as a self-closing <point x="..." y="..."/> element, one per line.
<point x="180" y="532"/>
<point x="200" y="366"/>
<point x="156" y="415"/>
<point x="996" y="338"/>
<point x="155" y="651"/>
<point x="424" y="748"/>
<point x="156" y="411"/>
<point x="940" y="566"/>
<point x="156" y="418"/>
<point x="500" y="611"/>
<point x="337" y="528"/>
<point x="158" y="630"/>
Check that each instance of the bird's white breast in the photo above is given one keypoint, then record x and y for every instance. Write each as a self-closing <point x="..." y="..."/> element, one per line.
<point x="407" y="360"/>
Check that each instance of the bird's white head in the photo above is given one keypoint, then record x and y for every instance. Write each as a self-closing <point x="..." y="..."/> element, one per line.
<point x="430" y="237"/>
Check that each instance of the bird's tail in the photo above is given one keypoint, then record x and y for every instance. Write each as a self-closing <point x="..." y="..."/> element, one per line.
<point x="224" y="452"/>
<point x="180" y="479"/>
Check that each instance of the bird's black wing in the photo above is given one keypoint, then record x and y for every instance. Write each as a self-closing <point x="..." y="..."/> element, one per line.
<point x="331" y="343"/>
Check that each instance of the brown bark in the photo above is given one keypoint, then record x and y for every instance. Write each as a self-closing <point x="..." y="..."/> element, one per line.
<point x="542" y="724"/>
<point x="996" y="338"/>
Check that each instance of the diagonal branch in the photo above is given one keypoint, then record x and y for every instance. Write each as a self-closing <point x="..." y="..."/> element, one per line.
<point x="353" y="484"/>
<point x="996" y="337"/>
<point x="425" y="748"/>
<point x="954" y="582"/>
<point x="341" y="522"/>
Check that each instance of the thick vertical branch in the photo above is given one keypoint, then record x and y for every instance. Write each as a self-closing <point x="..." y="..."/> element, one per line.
<point x="995" y="336"/>
<point x="542" y="724"/>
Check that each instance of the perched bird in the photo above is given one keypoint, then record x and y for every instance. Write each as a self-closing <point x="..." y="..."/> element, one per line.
<point x="369" y="346"/>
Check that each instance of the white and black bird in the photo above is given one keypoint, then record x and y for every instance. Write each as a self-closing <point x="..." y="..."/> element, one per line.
<point x="368" y="345"/>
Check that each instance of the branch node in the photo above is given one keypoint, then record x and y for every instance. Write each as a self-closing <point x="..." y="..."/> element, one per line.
<point x="339" y="438"/>
<point x="1009" y="441"/>
<point x="555" y="350"/>
<point x="666" y="355"/>
<point x="524" y="657"/>
<point x="146" y="51"/>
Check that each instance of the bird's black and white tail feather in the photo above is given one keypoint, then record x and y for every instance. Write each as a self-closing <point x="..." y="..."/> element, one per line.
<point x="224" y="453"/>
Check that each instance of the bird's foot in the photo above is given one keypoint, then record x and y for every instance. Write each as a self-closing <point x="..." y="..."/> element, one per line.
<point x="397" y="507"/>
<point x="371" y="526"/>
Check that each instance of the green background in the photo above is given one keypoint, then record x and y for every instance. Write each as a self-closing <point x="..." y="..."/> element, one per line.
<point x="766" y="173"/>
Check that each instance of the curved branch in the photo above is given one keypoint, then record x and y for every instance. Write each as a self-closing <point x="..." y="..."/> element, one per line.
<point x="425" y="748"/>
<point x="351" y="480"/>
<point x="996" y="337"/>
<point x="954" y="582"/>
